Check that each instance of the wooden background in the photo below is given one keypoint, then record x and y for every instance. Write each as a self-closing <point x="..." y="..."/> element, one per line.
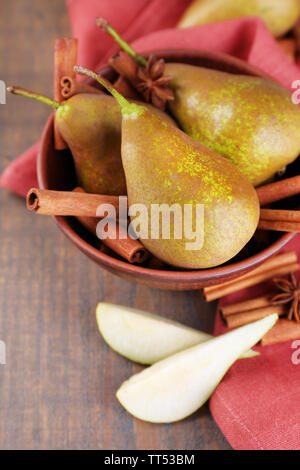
<point x="57" y="388"/>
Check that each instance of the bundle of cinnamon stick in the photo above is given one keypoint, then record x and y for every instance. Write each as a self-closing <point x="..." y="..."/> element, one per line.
<point x="83" y="206"/>
<point x="67" y="203"/>
<point x="279" y="265"/>
<point x="247" y="311"/>
<point x="242" y="313"/>
<point x="279" y="220"/>
<point x="274" y="219"/>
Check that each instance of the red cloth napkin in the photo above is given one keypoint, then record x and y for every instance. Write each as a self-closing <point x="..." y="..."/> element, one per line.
<point x="21" y="175"/>
<point x="257" y="404"/>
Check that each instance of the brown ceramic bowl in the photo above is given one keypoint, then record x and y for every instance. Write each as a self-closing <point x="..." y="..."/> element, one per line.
<point x="56" y="171"/>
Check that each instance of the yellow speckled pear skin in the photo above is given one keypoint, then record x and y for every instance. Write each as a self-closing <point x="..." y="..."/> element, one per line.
<point x="279" y="15"/>
<point x="164" y="165"/>
<point x="252" y="121"/>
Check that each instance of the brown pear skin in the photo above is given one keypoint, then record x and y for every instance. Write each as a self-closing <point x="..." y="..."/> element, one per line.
<point x="279" y="15"/>
<point x="163" y="165"/>
<point x="249" y="120"/>
<point x="91" y="126"/>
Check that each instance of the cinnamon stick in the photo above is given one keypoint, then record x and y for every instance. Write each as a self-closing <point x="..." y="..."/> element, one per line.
<point x="120" y="243"/>
<point x="65" y="57"/>
<point x="246" y="305"/>
<point x="123" y="86"/>
<point x="125" y="66"/>
<point x="272" y="263"/>
<point x="65" y="203"/>
<point x="243" y="318"/>
<point x="250" y="281"/>
<point x="279" y="226"/>
<point x="280" y="215"/>
<point x="284" y="330"/>
<point x="277" y="266"/>
<point x="65" y="83"/>
<point x="279" y="220"/>
<point x="71" y="87"/>
<point x="279" y="190"/>
<point x="132" y="250"/>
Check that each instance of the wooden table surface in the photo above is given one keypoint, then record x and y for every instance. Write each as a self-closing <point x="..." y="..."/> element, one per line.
<point x="57" y="389"/>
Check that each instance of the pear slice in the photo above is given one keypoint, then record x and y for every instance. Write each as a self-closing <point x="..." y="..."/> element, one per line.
<point x="175" y="387"/>
<point x="146" y="338"/>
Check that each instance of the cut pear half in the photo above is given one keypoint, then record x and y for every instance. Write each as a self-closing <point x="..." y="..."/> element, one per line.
<point x="146" y="338"/>
<point x="175" y="387"/>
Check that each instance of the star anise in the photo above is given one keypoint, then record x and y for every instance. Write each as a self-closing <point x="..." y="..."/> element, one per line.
<point x="154" y="85"/>
<point x="146" y="76"/>
<point x="149" y="81"/>
<point x="290" y="293"/>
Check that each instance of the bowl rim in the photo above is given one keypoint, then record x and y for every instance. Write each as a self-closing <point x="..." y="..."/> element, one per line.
<point x="185" y="276"/>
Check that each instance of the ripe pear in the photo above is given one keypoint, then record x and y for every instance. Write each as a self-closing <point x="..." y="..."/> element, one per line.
<point x="279" y="15"/>
<point x="175" y="387"/>
<point x="163" y="165"/>
<point x="146" y="338"/>
<point x="252" y="121"/>
<point x="91" y="126"/>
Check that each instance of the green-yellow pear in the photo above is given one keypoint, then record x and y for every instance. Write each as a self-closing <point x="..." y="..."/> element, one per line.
<point x="163" y="165"/>
<point x="279" y="15"/>
<point x="91" y="126"/>
<point x="252" y="121"/>
<point x="175" y="387"/>
<point x="146" y="338"/>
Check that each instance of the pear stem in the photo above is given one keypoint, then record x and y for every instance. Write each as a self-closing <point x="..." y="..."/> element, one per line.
<point x="31" y="94"/>
<point x="105" y="26"/>
<point x="105" y="83"/>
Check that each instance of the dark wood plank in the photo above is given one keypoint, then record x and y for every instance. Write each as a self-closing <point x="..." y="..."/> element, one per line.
<point x="57" y="389"/>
